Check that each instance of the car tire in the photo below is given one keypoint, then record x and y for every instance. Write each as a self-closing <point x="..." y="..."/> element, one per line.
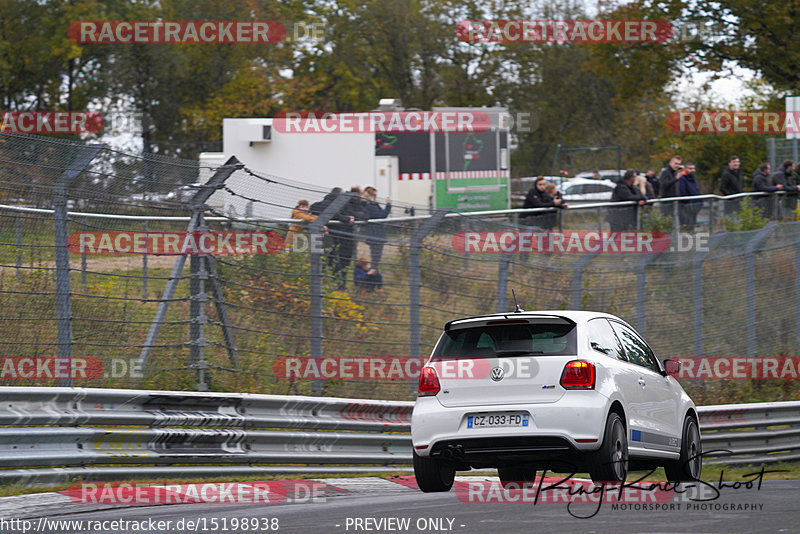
<point x="690" y="465"/>
<point x="515" y="474"/>
<point x="433" y="475"/>
<point x="610" y="462"/>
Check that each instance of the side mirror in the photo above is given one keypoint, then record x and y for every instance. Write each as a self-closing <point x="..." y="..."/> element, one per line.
<point x="672" y="367"/>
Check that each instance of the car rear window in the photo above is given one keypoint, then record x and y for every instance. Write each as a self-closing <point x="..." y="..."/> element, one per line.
<point x="510" y="340"/>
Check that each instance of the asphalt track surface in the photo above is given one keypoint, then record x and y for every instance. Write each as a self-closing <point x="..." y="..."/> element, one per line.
<point x="775" y="507"/>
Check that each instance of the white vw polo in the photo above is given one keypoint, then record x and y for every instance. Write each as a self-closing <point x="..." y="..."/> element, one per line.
<point x="567" y="391"/>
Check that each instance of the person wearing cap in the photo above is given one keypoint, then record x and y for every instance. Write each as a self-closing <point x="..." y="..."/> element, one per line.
<point x="375" y="233"/>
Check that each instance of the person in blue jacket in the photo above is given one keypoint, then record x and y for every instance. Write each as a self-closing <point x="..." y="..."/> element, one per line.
<point x="366" y="277"/>
<point x="375" y="233"/>
<point x="688" y="187"/>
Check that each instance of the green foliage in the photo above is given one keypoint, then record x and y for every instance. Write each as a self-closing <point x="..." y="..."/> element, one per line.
<point x="655" y="221"/>
<point x="749" y="217"/>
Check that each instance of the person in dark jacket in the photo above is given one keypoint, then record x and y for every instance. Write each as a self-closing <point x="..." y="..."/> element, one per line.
<point x="538" y="198"/>
<point x="783" y="176"/>
<point x="340" y="241"/>
<point x="688" y="187"/>
<point x="668" y="183"/>
<point x="366" y="277"/>
<point x="375" y="233"/>
<point x="761" y="183"/>
<point x="731" y="184"/>
<point x="653" y="181"/>
<point x="624" y="218"/>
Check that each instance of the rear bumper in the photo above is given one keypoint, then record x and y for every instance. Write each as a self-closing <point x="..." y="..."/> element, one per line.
<point x="573" y="424"/>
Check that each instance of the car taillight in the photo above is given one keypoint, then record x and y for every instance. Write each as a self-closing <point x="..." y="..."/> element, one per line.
<point x="428" y="382"/>
<point x="578" y="374"/>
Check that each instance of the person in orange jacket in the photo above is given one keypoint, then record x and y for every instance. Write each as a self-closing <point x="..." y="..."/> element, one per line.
<point x="299" y="212"/>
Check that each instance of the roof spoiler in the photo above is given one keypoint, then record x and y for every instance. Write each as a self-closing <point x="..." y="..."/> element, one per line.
<point x="510" y="316"/>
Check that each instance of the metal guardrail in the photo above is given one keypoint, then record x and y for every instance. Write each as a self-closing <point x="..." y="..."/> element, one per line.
<point x="57" y="434"/>
<point x="763" y="432"/>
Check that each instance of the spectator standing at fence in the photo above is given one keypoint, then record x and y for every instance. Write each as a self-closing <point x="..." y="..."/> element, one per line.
<point x="784" y="176"/>
<point x="731" y="184"/>
<point x="366" y="277"/>
<point x="340" y="242"/>
<point x="375" y="233"/>
<point x="300" y="212"/>
<point x="688" y="187"/>
<point x="538" y="198"/>
<point x="653" y="181"/>
<point x="644" y="186"/>
<point x="555" y="194"/>
<point x="762" y="184"/>
<point x="668" y="183"/>
<point x="624" y="218"/>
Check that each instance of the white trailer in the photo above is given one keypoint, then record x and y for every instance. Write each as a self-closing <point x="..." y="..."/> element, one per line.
<point x="308" y="165"/>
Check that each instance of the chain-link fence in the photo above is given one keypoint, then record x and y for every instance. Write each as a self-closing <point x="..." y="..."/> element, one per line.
<point x="779" y="150"/>
<point x="306" y="314"/>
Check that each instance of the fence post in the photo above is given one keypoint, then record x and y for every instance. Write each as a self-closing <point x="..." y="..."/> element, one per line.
<point x="197" y="307"/>
<point x="18" y="228"/>
<point x="676" y="219"/>
<point x="697" y="291"/>
<point x="502" y="282"/>
<point x="83" y="259"/>
<point x="84" y="157"/>
<point x="577" y="279"/>
<point x="198" y="200"/>
<point x="415" y="280"/>
<point x="144" y="267"/>
<point x="712" y="203"/>
<point x="315" y="278"/>
<point x="641" y="291"/>
<point x="750" y="282"/>
<point x="797" y="288"/>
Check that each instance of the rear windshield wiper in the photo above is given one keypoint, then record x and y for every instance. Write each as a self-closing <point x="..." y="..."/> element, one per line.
<point x="517" y="352"/>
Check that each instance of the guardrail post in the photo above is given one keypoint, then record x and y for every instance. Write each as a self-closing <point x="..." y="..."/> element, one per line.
<point x="415" y="280"/>
<point x="750" y="283"/>
<point x="84" y="157"/>
<point x="315" y="278"/>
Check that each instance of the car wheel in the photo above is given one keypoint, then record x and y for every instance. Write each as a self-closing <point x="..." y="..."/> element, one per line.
<point x="517" y="475"/>
<point x="433" y="475"/>
<point x="689" y="466"/>
<point x="610" y="462"/>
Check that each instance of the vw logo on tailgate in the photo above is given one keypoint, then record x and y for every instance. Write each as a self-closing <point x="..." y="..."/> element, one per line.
<point x="497" y="374"/>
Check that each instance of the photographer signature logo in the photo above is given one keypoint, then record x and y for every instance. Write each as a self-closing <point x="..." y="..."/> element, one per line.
<point x="574" y="493"/>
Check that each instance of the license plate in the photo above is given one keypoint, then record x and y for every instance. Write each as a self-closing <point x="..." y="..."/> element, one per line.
<point x="485" y="420"/>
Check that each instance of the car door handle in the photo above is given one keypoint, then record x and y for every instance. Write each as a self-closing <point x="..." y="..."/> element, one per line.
<point x="641" y="382"/>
